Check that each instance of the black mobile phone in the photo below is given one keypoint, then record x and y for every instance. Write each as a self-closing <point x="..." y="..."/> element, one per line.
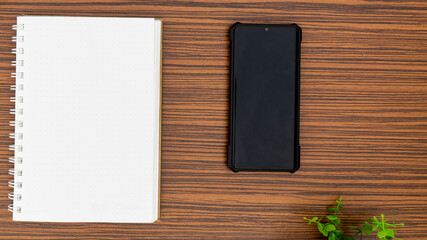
<point x="264" y="98"/>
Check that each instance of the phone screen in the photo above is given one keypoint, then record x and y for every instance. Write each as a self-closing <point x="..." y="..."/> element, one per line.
<point x="265" y="97"/>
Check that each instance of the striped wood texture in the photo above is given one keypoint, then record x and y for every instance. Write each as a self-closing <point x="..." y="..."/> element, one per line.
<point x="363" y="119"/>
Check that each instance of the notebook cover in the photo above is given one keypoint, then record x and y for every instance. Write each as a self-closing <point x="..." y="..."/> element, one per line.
<point x="90" y="112"/>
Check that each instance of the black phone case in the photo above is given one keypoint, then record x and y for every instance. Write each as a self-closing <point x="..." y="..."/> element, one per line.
<point x="231" y="147"/>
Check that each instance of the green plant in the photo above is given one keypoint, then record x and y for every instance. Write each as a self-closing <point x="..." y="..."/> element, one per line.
<point x="332" y="230"/>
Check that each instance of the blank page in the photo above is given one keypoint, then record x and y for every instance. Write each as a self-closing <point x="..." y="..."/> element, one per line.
<point x="90" y="144"/>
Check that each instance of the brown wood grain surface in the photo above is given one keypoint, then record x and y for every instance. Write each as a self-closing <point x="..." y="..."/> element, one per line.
<point x="363" y="119"/>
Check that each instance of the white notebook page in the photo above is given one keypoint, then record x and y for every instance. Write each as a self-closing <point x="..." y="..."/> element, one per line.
<point x="90" y="119"/>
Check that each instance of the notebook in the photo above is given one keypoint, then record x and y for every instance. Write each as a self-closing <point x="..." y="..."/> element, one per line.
<point x="87" y="119"/>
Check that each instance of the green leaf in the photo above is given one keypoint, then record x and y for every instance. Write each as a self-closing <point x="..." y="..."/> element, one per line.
<point x="354" y="228"/>
<point x="331" y="236"/>
<point x="374" y="220"/>
<point x="336" y="222"/>
<point x="334" y="219"/>
<point x="330" y="227"/>
<point x="332" y="209"/>
<point x="339" y="206"/>
<point x="382" y="234"/>
<point x="322" y="229"/>
<point x="358" y="232"/>
<point x="367" y="228"/>
<point x="376" y="225"/>
<point x="325" y="233"/>
<point x="313" y="220"/>
<point x="390" y="232"/>
<point x="367" y="231"/>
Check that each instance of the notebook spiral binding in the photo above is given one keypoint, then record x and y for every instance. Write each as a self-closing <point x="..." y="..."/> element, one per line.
<point x="18" y="113"/>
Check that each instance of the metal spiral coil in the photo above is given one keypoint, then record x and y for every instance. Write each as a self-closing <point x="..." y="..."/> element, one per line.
<point x="19" y="136"/>
<point x="14" y="172"/>
<point x="18" y="112"/>
<point x="17" y="75"/>
<point x="19" y="99"/>
<point x="12" y="196"/>
<point x="12" y="184"/>
<point x="11" y="208"/>
<point x="17" y="160"/>
<point x="18" y="148"/>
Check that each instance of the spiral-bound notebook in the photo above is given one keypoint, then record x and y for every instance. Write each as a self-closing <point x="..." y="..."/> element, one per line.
<point x="87" y="119"/>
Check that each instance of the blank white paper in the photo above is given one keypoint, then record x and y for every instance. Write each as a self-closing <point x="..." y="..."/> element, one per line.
<point x="91" y="99"/>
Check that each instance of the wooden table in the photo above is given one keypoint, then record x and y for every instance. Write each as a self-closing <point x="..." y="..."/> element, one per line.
<point x="363" y="120"/>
